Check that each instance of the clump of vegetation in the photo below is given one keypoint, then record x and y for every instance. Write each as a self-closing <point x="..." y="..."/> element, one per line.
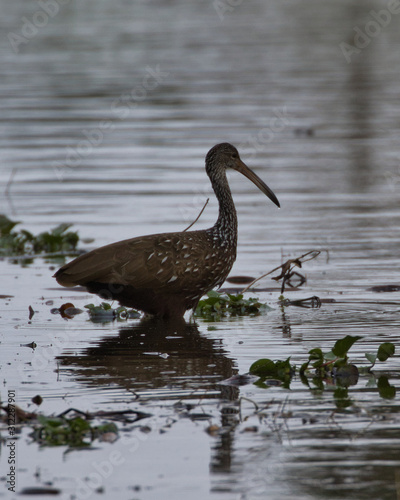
<point x="217" y="305"/>
<point x="331" y="368"/>
<point x="57" y="240"/>
<point x="267" y="369"/>
<point x="74" y="432"/>
<point x="104" y="313"/>
<point x="336" y="361"/>
<point x="73" y="428"/>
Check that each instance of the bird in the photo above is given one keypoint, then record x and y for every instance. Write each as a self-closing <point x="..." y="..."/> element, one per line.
<point x="166" y="274"/>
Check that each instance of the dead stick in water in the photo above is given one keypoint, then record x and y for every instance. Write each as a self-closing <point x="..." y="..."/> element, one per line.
<point x="287" y="268"/>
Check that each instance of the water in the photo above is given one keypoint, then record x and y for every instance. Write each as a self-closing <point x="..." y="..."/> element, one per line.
<point x="107" y="114"/>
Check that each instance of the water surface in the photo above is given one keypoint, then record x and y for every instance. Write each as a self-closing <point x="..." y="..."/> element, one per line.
<point x="107" y="114"/>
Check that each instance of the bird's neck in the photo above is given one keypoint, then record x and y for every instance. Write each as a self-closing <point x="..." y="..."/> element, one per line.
<point x="225" y="229"/>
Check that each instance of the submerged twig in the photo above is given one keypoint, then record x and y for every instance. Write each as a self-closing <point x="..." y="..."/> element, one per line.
<point x="287" y="269"/>
<point x="240" y="406"/>
<point x="313" y="302"/>
<point x="198" y="217"/>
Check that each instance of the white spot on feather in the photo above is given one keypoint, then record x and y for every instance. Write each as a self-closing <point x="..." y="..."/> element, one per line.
<point x="172" y="279"/>
<point x="150" y="256"/>
<point x="164" y="259"/>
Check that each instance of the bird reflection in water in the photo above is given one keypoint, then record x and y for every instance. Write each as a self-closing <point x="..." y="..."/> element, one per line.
<point x="154" y="355"/>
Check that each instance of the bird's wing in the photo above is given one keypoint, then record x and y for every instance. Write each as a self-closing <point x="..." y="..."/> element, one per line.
<point x="168" y="260"/>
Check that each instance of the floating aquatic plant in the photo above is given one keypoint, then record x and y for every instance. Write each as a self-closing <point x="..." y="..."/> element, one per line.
<point x="74" y="432"/>
<point x="332" y="367"/>
<point x="73" y="428"/>
<point x="57" y="240"/>
<point x="217" y="305"/>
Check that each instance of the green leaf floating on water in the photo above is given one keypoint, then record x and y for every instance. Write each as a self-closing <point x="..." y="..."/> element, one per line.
<point x="343" y="345"/>
<point x="268" y="368"/>
<point x="371" y="357"/>
<point x="386" y="390"/>
<point x="342" y="399"/>
<point x="6" y="225"/>
<point x="385" y="350"/>
<point x="263" y="367"/>
<point x="316" y="354"/>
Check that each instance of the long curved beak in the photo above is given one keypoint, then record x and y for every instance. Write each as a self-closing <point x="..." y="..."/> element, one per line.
<point x="244" y="169"/>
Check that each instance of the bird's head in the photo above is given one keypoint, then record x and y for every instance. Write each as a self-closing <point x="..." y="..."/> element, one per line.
<point x="223" y="156"/>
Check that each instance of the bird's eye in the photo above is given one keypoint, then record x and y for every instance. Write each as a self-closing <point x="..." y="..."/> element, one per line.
<point x="234" y="156"/>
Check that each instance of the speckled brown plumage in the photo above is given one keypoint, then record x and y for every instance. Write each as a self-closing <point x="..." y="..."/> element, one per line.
<point x="166" y="274"/>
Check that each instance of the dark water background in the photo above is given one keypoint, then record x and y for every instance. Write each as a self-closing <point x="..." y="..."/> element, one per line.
<point x="108" y="109"/>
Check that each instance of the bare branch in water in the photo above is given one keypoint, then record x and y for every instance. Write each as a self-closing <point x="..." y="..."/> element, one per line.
<point x="287" y="269"/>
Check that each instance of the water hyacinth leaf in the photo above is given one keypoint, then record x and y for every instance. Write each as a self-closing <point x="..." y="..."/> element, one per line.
<point x="316" y="354"/>
<point x="342" y="399"/>
<point x="371" y="357"/>
<point x="303" y="377"/>
<point x="318" y="363"/>
<point x="319" y="383"/>
<point x="263" y="367"/>
<point x="280" y="370"/>
<point x="235" y="298"/>
<point x="347" y="374"/>
<point x="340" y="362"/>
<point x="342" y="346"/>
<point x="90" y="306"/>
<point x="303" y="368"/>
<point x="385" y="350"/>
<point x="386" y="390"/>
<point x="284" y="368"/>
<point x="6" y="225"/>
<point x="261" y="383"/>
<point x="29" y="236"/>
<point x="61" y="228"/>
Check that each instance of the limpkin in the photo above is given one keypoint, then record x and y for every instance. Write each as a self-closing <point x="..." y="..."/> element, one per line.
<point x="167" y="274"/>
